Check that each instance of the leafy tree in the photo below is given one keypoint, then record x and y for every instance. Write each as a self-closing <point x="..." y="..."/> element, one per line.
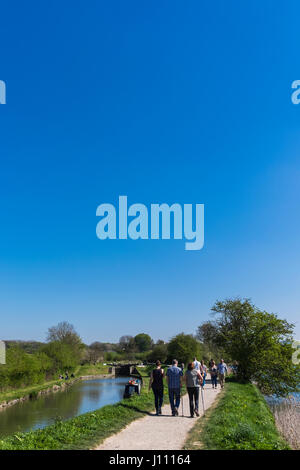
<point x="160" y="352"/>
<point x="259" y="341"/>
<point x="66" y="334"/>
<point x="143" y="342"/>
<point x="22" y="369"/>
<point x="183" y="348"/>
<point x="112" y="356"/>
<point x="62" y="356"/>
<point x="206" y="334"/>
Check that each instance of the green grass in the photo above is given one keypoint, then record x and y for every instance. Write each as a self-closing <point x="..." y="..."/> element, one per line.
<point x="87" y="430"/>
<point x="30" y="390"/>
<point x="91" y="369"/>
<point x="90" y="429"/>
<point x="241" y="419"/>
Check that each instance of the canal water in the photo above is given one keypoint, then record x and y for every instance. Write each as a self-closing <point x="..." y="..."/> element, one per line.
<point x="82" y="397"/>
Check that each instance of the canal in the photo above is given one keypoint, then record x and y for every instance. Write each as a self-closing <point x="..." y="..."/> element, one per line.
<point x="82" y="397"/>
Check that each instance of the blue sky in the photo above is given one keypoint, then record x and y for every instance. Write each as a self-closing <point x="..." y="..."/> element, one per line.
<point x="163" y="102"/>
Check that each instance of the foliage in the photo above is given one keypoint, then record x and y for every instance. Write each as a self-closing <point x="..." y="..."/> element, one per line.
<point x="28" y="346"/>
<point x="183" y="348"/>
<point x="85" y="430"/>
<point x="112" y="356"/>
<point x="64" y="333"/>
<point x="143" y="342"/>
<point x="61" y="354"/>
<point x="159" y="352"/>
<point x="62" y="357"/>
<point x="259" y="341"/>
<point x="241" y="420"/>
<point x="127" y="345"/>
<point x="22" y="369"/>
<point x="206" y="334"/>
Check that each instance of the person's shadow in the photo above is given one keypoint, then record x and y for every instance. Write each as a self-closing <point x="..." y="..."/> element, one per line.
<point x="144" y="412"/>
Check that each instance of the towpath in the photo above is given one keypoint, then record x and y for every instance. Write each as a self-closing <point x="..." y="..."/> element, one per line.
<point x="163" y="432"/>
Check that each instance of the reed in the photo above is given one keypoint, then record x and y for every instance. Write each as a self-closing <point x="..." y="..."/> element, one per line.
<point x="287" y="417"/>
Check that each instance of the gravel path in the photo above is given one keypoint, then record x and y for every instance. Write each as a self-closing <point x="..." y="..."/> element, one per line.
<point x="163" y="432"/>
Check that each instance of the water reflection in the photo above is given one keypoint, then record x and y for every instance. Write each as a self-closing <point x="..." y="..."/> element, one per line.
<point x="80" y="398"/>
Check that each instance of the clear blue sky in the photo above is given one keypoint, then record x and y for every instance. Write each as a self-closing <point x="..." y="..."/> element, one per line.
<point x="168" y="101"/>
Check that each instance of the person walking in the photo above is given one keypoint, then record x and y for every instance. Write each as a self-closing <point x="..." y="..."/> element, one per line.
<point x="196" y="364"/>
<point x="213" y="370"/>
<point x="203" y="370"/>
<point x="174" y="380"/>
<point x="193" y="380"/>
<point x="222" y="369"/>
<point x="157" y="385"/>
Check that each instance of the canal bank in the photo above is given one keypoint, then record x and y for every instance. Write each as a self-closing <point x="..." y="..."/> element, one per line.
<point x="85" y="372"/>
<point x="17" y="396"/>
<point x="84" y="394"/>
<point x="87" y="430"/>
<point x="240" y="420"/>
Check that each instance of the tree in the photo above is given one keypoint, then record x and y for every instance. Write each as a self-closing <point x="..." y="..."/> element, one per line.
<point x="66" y="334"/>
<point x="183" y="348"/>
<point x="127" y="344"/>
<point x="95" y="352"/>
<point x="159" y="352"/>
<point x="62" y="356"/>
<point x="206" y="334"/>
<point x="259" y="341"/>
<point x="143" y="342"/>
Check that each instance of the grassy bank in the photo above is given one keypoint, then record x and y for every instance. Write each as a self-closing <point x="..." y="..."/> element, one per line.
<point x="85" y="431"/>
<point x="32" y="390"/>
<point x="91" y="369"/>
<point x="240" y="419"/>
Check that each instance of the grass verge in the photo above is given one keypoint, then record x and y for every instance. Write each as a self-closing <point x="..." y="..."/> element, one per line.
<point x="240" y="420"/>
<point x="91" y="369"/>
<point x="27" y="391"/>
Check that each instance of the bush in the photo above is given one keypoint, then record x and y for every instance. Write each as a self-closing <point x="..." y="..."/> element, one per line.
<point x="183" y="348"/>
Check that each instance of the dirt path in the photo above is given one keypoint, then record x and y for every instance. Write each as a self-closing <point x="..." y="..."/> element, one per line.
<point x="163" y="432"/>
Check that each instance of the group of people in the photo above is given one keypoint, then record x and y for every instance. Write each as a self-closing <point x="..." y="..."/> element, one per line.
<point x="66" y="376"/>
<point x="194" y="378"/>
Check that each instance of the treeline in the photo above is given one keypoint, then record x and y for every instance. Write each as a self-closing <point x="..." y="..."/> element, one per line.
<point x="259" y="343"/>
<point x="142" y="348"/>
<point x="30" y="363"/>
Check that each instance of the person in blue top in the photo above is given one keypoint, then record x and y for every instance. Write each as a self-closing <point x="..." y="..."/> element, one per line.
<point x="174" y="380"/>
<point x="222" y="369"/>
